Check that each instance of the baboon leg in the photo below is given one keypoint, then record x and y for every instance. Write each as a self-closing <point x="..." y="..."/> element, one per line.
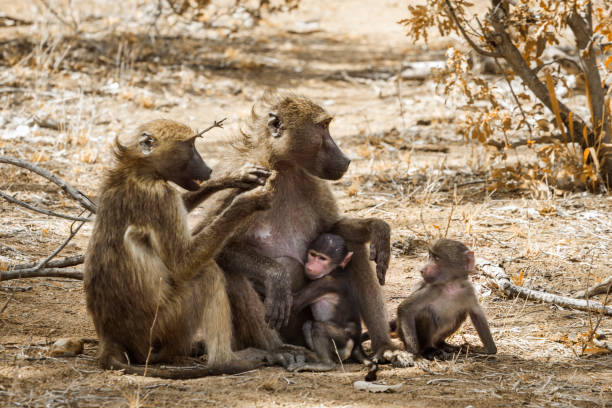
<point x="248" y="316"/>
<point x="370" y="297"/>
<point x="217" y="316"/>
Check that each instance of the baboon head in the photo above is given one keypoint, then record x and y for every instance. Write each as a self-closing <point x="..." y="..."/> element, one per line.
<point x="298" y="131"/>
<point x="165" y="149"/>
<point x="448" y="260"/>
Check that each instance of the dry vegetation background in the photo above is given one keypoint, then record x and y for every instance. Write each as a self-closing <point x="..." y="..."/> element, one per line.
<point x="96" y="69"/>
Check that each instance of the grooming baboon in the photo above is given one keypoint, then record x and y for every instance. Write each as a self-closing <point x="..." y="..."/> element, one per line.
<point x="441" y="302"/>
<point x="149" y="283"/>
<point x="335" y="330"/>
<point x="290" y="134"/>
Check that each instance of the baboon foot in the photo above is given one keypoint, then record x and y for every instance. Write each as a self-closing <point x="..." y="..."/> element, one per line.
<point x="398" y="358"/>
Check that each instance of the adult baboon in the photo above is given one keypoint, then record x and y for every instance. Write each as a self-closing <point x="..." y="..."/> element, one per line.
<point x="290" y="134"/>
<point x="149" y="283"/>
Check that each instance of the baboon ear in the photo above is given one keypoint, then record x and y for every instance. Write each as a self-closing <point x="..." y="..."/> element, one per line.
<point x="346" y="260"/>
<point x="469" y="260"/>
<point x="274" y="124"/>
<point x="146" y="143"/>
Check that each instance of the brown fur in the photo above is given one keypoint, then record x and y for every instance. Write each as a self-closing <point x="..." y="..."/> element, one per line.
<point x="441" y="303"/>
<point x="270" y="246"/>
<point x="148" y="282"/>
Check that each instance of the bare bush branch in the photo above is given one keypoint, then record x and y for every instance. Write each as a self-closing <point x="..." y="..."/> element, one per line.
<point x="74" y="193"/>
<point x="503" y="282"/>
<point x="40" y="210"/>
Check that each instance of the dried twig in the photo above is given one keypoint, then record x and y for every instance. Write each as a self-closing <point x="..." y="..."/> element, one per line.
<point x="41" y="210"/>
<point x="600" y="289"/>
<point x="502" y="281"/>
<point x="44" y="262"/>
<point x="217" y="123"/>
<point x="74" y="193"/>
<point x="61" y="263"/>
<point x="524" y="142"/>
<point x="41" y="273"/>
<point x="73" y="24"/>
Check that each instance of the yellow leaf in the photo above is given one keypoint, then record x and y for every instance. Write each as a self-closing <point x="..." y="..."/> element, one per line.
<point x="609" y="62"/>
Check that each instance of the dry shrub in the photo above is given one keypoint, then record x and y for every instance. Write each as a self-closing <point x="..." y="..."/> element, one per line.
<point x="571" y="145"/>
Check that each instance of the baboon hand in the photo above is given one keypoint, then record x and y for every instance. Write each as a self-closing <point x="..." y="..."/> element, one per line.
<point x="257" y="199"/>
<point x="248" y="176"/>
<point x="278" y="300"/>
<point x="380" y="248"/>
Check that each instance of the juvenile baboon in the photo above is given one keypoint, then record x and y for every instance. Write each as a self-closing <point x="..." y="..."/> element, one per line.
<point x="290" y="134"/>
<point x="335" y="330"/>
<point x="149" y="283"/>
<point x="441" y="302"/>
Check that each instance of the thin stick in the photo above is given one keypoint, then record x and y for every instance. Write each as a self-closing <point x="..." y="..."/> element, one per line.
<point x="74" y="193"/>
<point x="40" y="210"/>
<point x="338" y="355"/>
<point x="62" y="263"/>
<point x="43" y="263"/>
<point x="503" y="282"/>
<point x="41" y="273"/>
<point x="217" y="123"/>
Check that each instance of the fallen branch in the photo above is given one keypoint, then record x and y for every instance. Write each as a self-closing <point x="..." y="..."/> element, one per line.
<point x="40" y="210"/>
<point x="41" y="273"/>
<point x="61" y="263"/>
<point x="74" y="193"/>
<point x="503" y="282"/>
<point x="600" y="289"/>
<point x="602" y="344"/>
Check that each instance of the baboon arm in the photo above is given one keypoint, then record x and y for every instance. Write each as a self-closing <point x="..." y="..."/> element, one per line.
<point x="191" y="199"/>
<point x="312" y="292"/>
<point x="407" y="332"/>
<point x="270" y="278"/>
<point x="209" y="241"/>
<point x="247" y="261"/>
<point x="479" y="320"/>
<point x="376" y="232"/>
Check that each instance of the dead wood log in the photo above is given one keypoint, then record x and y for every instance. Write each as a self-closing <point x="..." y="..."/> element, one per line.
<point x="501" y="279"/>
<point x="600" y="289"/>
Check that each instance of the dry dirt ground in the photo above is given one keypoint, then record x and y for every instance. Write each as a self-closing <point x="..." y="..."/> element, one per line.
<point x="118" y="72"/>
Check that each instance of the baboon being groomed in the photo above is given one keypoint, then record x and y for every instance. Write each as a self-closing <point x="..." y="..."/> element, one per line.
<point x="149" y="283"/>
<point x="290" y="134"/>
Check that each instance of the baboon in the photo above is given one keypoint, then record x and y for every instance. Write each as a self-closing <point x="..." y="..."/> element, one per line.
<point x="149" y="283"/>
<point x="335" y="330"/>
<point x="290" y="134"/>
<point x="441" y="302"/>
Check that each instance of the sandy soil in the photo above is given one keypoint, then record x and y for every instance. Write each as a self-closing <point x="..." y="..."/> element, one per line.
<point x="116" y="74"/>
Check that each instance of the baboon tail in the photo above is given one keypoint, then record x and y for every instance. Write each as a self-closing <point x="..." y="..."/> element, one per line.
<point x="185" y="373"/>
<point x="392" y="325"/>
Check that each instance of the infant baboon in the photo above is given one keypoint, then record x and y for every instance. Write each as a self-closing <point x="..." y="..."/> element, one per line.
<point x="335" y="330"/>
<point x="441" y="302"/>
<point x="149" y="283"/>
